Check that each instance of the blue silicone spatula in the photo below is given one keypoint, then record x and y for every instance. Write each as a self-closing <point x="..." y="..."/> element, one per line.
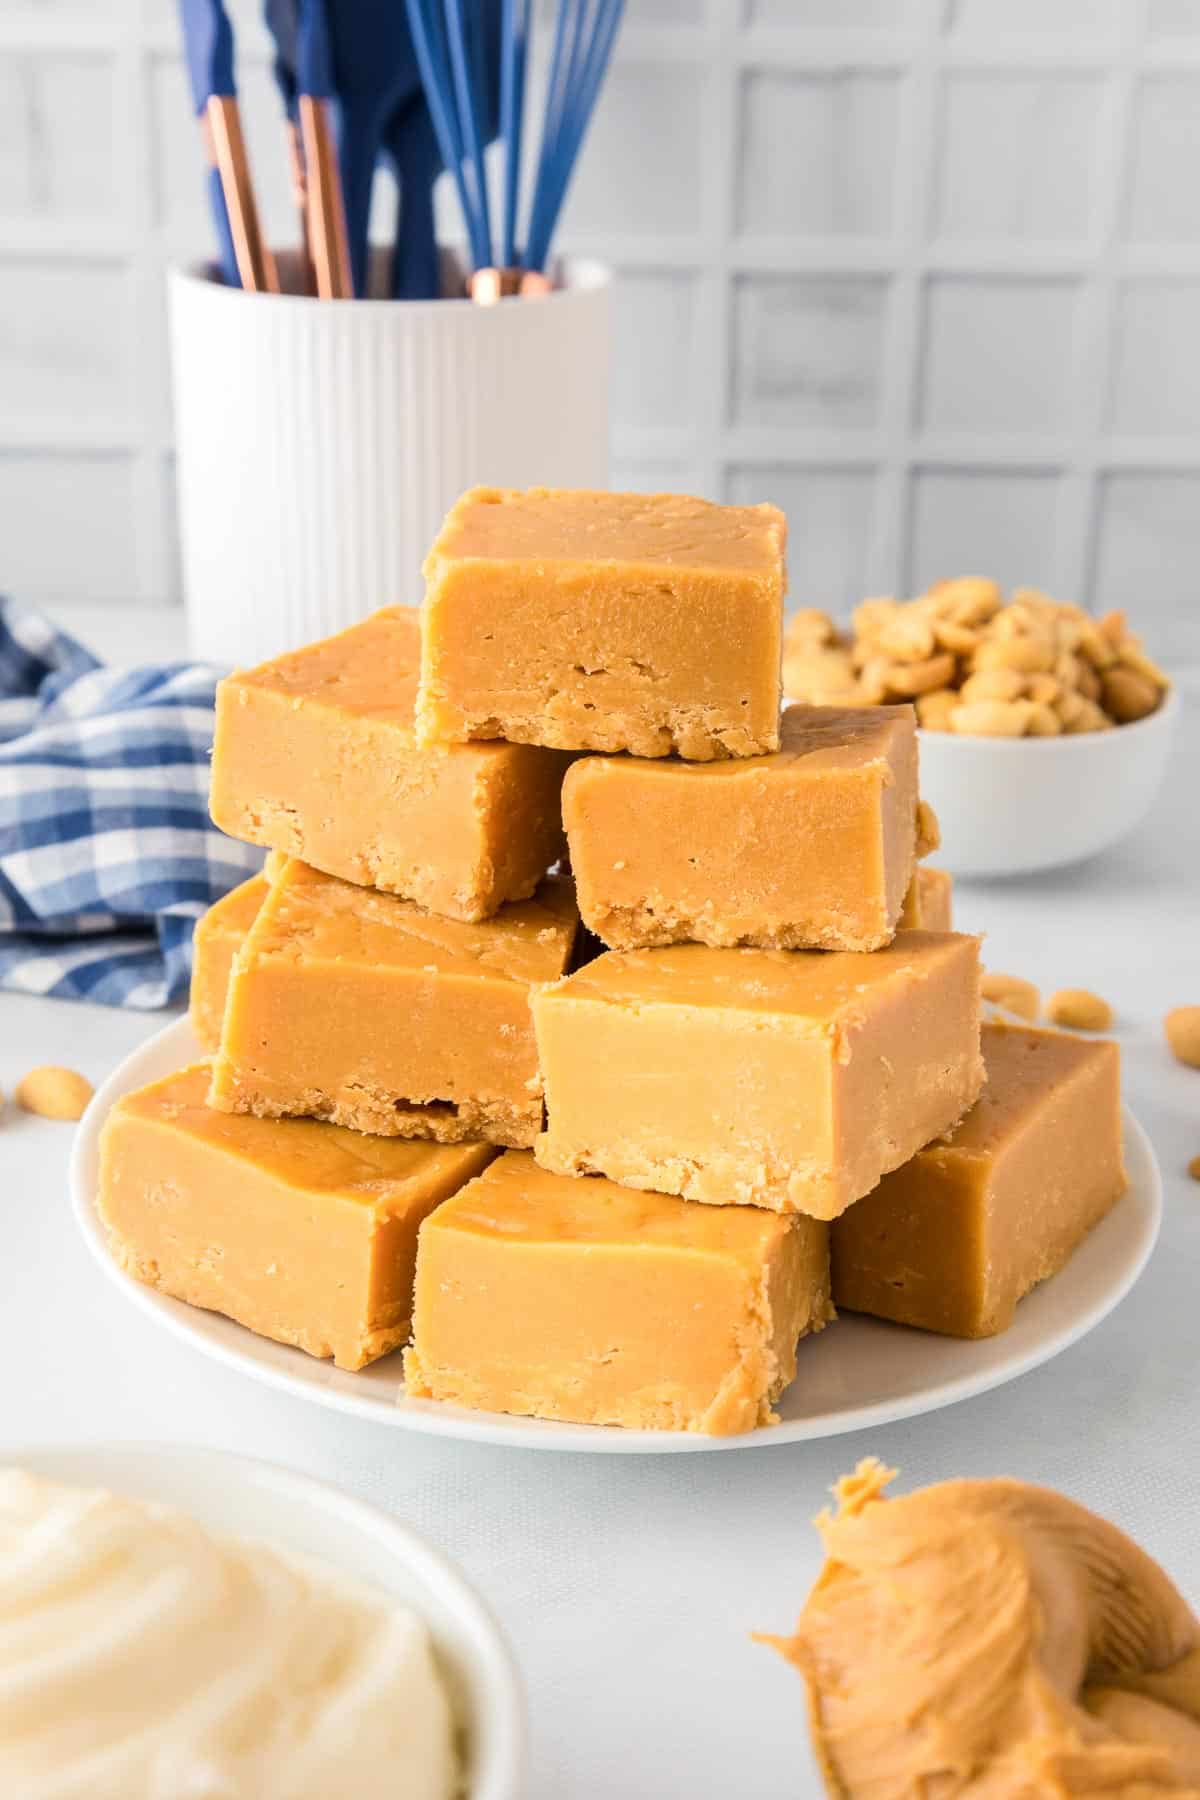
<point x="412" y="145"/>
<point x="208" y="42"/>
<point x="374" y="73"/>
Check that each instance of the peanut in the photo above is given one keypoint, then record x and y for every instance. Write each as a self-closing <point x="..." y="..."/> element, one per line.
<point x="1034" y="667"/>
<point x="54" y="1093"/>
<point x="1069" y="707"/>
<point x="1043" y="720"/>
<point x="873" y="681"/>
<point x="994" y="684"/>
<point x="1012" y="993"/>
<point x="1021" y="620"/>
<point x="1079" y="1010"/>
<point x="1182" y="1026"/>
<point x="929" y="832"/>
<point x="870" y="616"/>
<point x="810" y="627"/>
<point x="907" y="639"/>
<point x="934" y="709"/>
<point x="1127" y="696"/>
<point x="1089" y="718"/>
<point x="1089" y="682"/>
<point x="823" y="677"/>
<point x="991" y="718"/>
<point x="910" y="679"/>
<point x="1098" y="649"/>
<point x="1044" y="689"/>
<point x="1131" y="656"/>
<point x="961" y="640"/>
<point x="1194" y="1168"/>
<point x="1024" y="596"/>
<point x="1067" y="669"/>
<point x="970" y="599"/>
<point x="1032" y="656"/>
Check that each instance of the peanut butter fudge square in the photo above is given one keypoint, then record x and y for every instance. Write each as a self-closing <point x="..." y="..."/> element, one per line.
<point x="304" y="1232"/>
<point x="359" y="1007"/>
<point x="582" y="1300"/>
<point x="810" y="848"/>
<point x="597" y="621"/>
<point x="953" y="1239"/>
<point x="315" y="755"/>
<point x="790" y="1079"/>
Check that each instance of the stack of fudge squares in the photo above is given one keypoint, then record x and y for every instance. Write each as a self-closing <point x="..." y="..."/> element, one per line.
<point x="593" y="1029"/>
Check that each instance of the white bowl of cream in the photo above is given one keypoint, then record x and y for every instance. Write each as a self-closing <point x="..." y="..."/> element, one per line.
<point x="185" y="1624"/>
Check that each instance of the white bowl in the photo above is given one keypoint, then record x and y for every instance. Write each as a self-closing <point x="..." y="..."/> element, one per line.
<point x="239" y="1496"/>
<point x="1008" y="806"/>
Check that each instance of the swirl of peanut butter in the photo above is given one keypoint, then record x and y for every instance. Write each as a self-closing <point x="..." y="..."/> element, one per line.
<point x="995" y="1641"/>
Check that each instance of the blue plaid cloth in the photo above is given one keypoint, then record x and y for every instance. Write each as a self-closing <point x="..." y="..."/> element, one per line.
<point x="107" y="853"/>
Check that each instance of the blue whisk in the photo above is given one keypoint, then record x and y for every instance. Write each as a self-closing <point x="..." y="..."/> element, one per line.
<point x="449" y="37"/>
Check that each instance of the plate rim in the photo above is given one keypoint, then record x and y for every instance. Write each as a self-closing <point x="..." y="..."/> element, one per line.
<point x="513" y="1431"/>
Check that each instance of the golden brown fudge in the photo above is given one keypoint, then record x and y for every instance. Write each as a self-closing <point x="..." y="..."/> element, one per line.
<point x="218" y="936"/>
<point x="596" y="621"/>
<point x="812" y="848"/>
<point x="304" y="1232"/>
<point x="356" y="1006"/>
<point x="929" y="902"/>
<point x="952" y="1240"/>
<point x="790" y="1079"/>
<point x="583" y="1300"/>
<point x="315" y="754"/>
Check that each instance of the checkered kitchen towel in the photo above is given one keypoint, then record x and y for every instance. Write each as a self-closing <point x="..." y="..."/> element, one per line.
<point x="107" y="853"/>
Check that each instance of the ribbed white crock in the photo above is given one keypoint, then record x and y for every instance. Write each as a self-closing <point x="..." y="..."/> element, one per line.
<point x="319" y="443"/>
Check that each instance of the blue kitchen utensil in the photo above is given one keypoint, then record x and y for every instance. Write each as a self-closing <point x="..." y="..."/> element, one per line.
<point x="327" y="234"/>
<point x="281" y="18"/>
<point x="208" y="46"/>
<point x="454" y="105"/>
<point x="374" y="73"/>
<point x="450" y="42"/>
<point x="411" y="143"/>
<point x="208" y="41"/>
<point x="585" y="32"/>
<point x="514" y="55"/>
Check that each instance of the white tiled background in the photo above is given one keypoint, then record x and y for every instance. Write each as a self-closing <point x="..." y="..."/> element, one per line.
<point x="926" y="272"/>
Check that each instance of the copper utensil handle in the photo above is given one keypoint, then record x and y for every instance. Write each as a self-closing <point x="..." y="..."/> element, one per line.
<point x="328" y="242"/>
<point x="486" y="286"/>
<point x="256" y="265"/>
<point x="298" y="177"/>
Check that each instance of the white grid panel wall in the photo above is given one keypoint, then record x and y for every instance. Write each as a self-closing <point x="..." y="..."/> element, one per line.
<point x="925" y="272"/>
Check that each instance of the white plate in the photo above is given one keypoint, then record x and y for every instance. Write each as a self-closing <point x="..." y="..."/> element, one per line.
<point x="238" y="1496"/>
<point x="858" y="1374"/>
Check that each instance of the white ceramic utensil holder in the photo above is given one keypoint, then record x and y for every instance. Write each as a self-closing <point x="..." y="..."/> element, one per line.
<point x="320" y="443"/>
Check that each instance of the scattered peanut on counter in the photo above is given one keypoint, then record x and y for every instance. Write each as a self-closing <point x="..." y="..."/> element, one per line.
<point x="1182" y="1026"/>
<point x="1078" y="1010"/>
<point x="1194" y="1168"/>
<point x="1012" y="993"/>
<point x="53" y="1092"/>
<point x="971" y="664"/>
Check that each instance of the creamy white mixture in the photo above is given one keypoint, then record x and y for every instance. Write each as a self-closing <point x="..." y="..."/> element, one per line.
<point x="143" y="1659"/>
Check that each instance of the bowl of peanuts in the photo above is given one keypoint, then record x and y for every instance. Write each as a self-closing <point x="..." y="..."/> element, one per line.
<point x="1045" y="730"/>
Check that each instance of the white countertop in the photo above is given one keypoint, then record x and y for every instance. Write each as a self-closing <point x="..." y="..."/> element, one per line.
<point x="629" y="1586"/>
